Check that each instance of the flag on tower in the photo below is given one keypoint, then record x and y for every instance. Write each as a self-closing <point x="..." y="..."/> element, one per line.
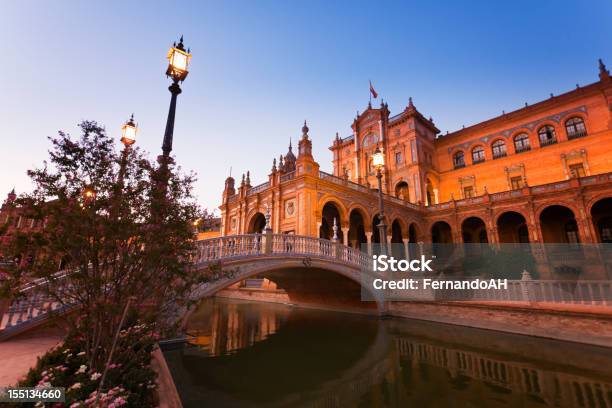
<point x="372" y="91"/>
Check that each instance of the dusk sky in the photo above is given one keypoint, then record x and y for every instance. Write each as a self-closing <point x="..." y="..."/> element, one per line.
<point x="260" y="68"/>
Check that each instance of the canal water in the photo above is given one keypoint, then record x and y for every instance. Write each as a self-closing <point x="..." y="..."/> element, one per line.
<point x="270" y="355"/>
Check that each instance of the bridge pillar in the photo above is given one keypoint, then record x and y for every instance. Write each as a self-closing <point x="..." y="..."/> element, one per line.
<point x="369" y="239"/>
<point x="267" y="241"/>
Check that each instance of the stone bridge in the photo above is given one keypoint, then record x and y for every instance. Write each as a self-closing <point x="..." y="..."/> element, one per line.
<point x="313" y="271"/>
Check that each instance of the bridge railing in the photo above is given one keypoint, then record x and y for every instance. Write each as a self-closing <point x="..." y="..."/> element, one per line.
<point x="239" y="246"/>
<point x="32" y="304"/>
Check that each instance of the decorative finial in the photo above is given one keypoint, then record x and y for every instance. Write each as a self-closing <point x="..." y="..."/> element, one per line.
<point x="526" y="104"/>
<point x="577" y="86"/>
<point x="305" y="130"/>
<point x="290" y="146"/>
<point x="431" y="119"/>
<point x="268" y="216"/>
<point x="242" y="182"/>
<point x="503" y="112"/>
<point x="335" y="229"/>
<point x="370" y="105"/>
<point x="604" y="74"/>
<point x="551" y="95"/>
<point x="280" y="161"/>
<point x="248" y="178"/>
<point x="180" y="45"/>
<point x="274" y="165"/>
<point x="410" y="104"/>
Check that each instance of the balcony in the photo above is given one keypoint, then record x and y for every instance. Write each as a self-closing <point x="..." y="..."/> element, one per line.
<point x="548" y="142"/>
<point x="576" y="135"/>
<point x="499" y="155"/>
<point x="521" y="149"/>
<point x="478" y="160"/>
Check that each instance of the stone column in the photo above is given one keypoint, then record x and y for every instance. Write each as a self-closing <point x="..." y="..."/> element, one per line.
<point x="406" y="248"/>
<point x="345" y="232"/>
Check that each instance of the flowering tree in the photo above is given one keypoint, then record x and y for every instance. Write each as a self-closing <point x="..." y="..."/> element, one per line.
<point x="119" y="235"/>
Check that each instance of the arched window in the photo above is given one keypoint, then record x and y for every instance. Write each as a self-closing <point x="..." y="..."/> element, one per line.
<point x="370" y="139"/>
<point x="478" y="155"/>
<point x="547" y="135"/>
<point x="499" y="149"/>
<point x="459" y="160"/>
<point x="575" y="128"/>
<point x="521" y="143"/>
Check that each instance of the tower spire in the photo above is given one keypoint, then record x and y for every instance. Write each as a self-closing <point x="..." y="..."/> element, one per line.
<point x="604" y="74"/>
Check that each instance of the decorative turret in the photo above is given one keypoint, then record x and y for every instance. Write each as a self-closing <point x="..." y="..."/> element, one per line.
<point x="305" y="163"/>
<point x="305" y="147"/>
<point x="273" y="170"/>
<point x="604" y="74"/>
<point x="289" y="162"/>
<point x="248" y="179"/>
<point x="229" y="187"/>
<point x="11" y="196"/>
<point x="410" y="104"/>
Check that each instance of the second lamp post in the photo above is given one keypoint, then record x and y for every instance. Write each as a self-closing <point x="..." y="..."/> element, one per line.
<point x="378" y="160"/>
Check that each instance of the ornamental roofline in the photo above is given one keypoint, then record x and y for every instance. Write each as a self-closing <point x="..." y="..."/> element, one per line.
<point x="527" y="110"/>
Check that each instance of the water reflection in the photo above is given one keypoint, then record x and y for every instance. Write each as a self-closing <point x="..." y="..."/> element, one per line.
<point x="249" y="354"/>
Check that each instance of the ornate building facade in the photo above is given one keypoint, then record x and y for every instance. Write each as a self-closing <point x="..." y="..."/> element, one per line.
<point x="540" y="174"/>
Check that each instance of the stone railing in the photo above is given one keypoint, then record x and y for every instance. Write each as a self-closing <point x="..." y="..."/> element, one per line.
<point x="259" y="188"/>
<point x="253" y="245"/>
<point x="288" y="176"/>
<point x="33" y="305"/>
<point x="525" y="290"/>
<point x="355" y="186"/>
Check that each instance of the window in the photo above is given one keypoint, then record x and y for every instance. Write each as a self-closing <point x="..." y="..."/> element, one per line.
<point x="547" y="135"/>
<point x="516" y="182"/>
<point x="459" y="160"/>
<point x="468" y="192"/>
<point x="576" y="170"/>
<point x="478" y="155"/>
<point x="575" y="128"/>
<point x="398" y="158"/>
<point x="370" y="139"/>
<point x="521" y="143"/>
<point x="571" y="232"/>
<point x="499" y="149"/>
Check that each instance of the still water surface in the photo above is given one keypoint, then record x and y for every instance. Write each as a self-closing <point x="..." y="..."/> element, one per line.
<point x="257" y="354"/>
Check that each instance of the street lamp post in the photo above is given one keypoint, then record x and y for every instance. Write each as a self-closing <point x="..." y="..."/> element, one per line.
<point x="128" y="138"/>
<point x="178" y="59"/>
<point x="178" y="63"/>
<point x="378" y="160"/>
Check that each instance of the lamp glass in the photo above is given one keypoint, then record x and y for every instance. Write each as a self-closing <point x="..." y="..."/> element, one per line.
<point x="128" y="133"/>
<point x="179" y="60"/>
<point x="378" y="159"/>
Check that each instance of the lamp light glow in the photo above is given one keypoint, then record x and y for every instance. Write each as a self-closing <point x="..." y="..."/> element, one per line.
<point x="378" y="159"/>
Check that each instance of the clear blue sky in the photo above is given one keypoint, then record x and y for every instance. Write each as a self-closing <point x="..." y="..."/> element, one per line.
<point x="260" y="68"/>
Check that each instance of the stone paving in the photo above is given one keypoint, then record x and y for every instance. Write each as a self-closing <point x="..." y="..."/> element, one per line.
<point x="19" y="353"/>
